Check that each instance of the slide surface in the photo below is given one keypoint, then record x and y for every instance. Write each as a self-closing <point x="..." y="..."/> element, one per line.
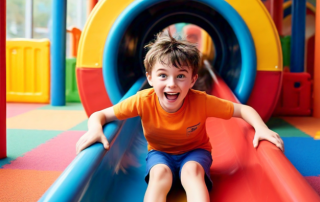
<point x="239" y="171"/>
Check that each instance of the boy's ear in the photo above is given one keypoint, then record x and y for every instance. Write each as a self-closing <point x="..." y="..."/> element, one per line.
<point x="149" y="78"/>
<point x="193" y="81"/>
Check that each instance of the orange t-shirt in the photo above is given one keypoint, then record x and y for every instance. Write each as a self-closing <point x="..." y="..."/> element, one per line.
<point x="178" y="132"/>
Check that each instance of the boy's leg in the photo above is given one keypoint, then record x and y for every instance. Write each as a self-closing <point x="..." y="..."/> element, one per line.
<point x="195" y="174"/>
<point x="193" y="181"/>
<point x="160" y="181"/>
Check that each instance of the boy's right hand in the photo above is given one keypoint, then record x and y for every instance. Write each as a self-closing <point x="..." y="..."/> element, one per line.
<point x="91" y="137"/>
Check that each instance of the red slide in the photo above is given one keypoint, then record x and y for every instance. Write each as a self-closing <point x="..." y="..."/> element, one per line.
<point x="241" y="172"/>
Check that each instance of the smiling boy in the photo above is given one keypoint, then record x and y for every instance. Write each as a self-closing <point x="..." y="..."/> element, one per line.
<point x="173" y="117"/>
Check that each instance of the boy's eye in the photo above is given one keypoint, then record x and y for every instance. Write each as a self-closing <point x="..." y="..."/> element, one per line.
<point x="180" y="76"/>
<point x="162" y="75"/>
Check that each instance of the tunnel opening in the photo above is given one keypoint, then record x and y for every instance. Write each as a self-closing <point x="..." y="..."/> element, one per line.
<point x="153" y="20"/>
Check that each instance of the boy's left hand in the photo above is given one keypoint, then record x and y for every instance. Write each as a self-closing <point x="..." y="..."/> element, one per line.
<point x="267" y="134"/>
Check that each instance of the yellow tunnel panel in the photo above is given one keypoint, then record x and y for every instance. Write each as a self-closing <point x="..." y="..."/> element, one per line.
<point x="264" y="33"/>
<point x="261" y="26"/>
<point x="95" y="32"/>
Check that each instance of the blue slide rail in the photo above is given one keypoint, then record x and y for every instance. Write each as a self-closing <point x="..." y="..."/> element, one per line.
<point x="72" y="185"/>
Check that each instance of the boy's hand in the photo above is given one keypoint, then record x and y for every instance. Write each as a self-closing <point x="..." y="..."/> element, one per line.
<point x="90" y="138"/>
<point x="267" y="134"/>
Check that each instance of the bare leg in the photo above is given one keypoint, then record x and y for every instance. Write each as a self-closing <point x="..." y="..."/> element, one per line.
<point x="192" y="180"/>
<point x="160" y="181"/>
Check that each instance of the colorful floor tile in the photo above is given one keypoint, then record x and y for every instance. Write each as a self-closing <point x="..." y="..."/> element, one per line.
<point x="47" y="120"/>
<point x="41" y="144"/>
<point x="303" y="154"/>
<point x="285" y="129"/>
<point x="68" y="106"/>
<point x="83" y="126"/>
<point x="309" y="125"/>
<point x="14" y="109"/>
<point x="20" y="141"/>
<point x="301" y="149"/>
<point x="54" y="155"/>
<point x="25" y="185"/>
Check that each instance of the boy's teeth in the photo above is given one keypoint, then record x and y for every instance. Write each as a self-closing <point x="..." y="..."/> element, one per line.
<point x="171" y="96"/>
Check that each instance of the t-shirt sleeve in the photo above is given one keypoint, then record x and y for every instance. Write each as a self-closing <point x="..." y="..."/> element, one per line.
<point x="128" y="108"/>
<point x="217" y="107"/>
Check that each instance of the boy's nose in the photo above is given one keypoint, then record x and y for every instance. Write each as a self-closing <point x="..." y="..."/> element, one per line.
<point x="171" y="83"/>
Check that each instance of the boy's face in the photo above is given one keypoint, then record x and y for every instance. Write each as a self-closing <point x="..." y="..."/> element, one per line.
<point x="171" y="85"/>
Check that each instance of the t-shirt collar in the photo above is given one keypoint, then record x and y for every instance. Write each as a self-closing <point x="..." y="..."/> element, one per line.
<point x="164" y="112"/>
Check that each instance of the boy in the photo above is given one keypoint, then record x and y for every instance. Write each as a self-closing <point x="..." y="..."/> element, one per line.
<point x="173" y="118"/>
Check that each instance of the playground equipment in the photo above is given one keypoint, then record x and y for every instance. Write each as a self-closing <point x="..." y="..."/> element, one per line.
<point x="295" y="98"/>
<point x="309" y="35"/>
<point x="316" y="84"/>
<point x="268" y="68"/>
<point x="276" y="12"/>
<point x="296" y="93"/>
<point x="75" y="34"/>
<point x="3" y="107"/>
<point x="109" y="69"/>
<point x="72" y="94"/>
<point x="28" y="70"/>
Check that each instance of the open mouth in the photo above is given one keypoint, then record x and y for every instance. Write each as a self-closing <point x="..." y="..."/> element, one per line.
<point x="172" y="96"/>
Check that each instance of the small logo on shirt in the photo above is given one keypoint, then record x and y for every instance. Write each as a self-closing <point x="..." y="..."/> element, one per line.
<point x="191" y="129"/>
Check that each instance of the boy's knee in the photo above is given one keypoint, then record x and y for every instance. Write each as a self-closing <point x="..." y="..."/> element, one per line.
<point x="160" y="172"/>
<point x="192" y="169"/>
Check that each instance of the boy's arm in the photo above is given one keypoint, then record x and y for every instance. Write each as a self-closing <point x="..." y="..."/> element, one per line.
<point x="95" y="132"/>
<point x="262" y="131"/>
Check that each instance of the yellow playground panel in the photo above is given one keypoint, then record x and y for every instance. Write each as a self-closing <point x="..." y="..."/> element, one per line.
<point x="28" y="69"/>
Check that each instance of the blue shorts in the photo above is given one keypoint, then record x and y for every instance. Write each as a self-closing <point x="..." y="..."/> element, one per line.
<point x="176" y="162"/>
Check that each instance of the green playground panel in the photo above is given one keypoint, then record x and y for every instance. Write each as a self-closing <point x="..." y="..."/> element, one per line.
<point x="286" y="50"/>
<point x="72" y="93"/>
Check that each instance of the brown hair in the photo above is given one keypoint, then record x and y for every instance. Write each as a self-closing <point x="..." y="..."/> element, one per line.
<point x="168" y="50"/>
